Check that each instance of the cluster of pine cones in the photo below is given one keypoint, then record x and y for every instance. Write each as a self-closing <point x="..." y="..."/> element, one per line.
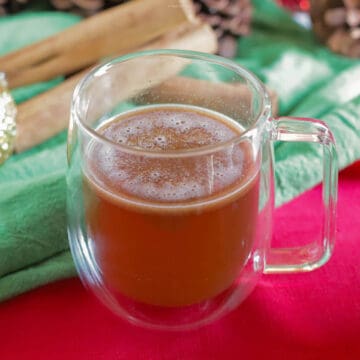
<point x="229" y="18"/>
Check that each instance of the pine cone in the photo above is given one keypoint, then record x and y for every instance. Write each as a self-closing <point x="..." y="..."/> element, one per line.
<point x="337" y="24"/>
<point x="229" y="18"/>
<point x="12" y="6"/>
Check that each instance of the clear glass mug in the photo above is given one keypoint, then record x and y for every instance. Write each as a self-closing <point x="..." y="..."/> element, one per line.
<point x="170" y="187"/>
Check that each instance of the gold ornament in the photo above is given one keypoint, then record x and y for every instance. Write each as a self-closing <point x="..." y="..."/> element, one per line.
<point x="7" y="120"/>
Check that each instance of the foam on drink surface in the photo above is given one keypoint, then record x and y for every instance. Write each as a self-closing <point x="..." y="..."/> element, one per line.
<point x="170" y="180"/>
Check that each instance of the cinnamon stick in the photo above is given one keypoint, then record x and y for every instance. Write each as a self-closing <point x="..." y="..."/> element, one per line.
<point x="47" y="114"/>
<point x="110" y="32"/>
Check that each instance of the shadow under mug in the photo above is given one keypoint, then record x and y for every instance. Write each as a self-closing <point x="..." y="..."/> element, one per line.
<point x="170" y="238"/>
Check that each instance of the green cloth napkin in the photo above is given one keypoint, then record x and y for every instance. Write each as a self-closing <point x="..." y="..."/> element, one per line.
<point x="310" y="81"/>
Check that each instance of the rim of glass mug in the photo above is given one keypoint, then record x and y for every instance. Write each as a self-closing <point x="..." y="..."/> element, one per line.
<point x="259" y="119"/>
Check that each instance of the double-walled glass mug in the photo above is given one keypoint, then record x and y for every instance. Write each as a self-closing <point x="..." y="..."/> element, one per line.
<point x="170" y="186"/>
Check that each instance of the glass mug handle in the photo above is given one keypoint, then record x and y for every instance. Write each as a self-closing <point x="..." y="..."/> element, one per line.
<point x="313" y="255"/>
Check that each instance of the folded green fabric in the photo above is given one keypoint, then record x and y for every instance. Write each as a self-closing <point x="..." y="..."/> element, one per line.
<point x="33" y="240"/>
<point x="310" y="81"/>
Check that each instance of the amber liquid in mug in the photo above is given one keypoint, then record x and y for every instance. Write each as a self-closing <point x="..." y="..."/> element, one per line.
<point x="171" y="231"/>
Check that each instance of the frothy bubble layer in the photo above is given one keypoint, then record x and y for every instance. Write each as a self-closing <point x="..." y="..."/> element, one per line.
<point x="167" y="129"/>
<point x="172" y="179"/>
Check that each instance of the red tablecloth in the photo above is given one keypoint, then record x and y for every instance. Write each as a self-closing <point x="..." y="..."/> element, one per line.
<point x="304" y="316"/>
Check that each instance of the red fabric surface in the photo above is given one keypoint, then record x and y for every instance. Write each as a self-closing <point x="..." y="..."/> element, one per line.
<point x="304" y="316"/>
